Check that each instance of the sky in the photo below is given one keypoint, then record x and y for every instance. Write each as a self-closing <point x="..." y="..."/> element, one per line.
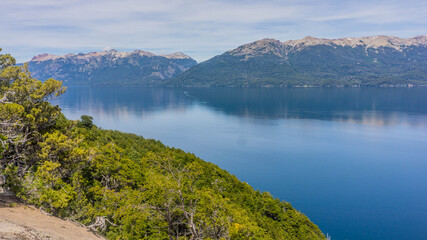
<point x="198" y="28"/>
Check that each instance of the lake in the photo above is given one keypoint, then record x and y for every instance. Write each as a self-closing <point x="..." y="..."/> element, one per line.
<point x="354" y="160"/>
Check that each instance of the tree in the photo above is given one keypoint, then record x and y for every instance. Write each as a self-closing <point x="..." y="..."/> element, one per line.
<point x="85" y="121"/>
<point x="191" y="211"/>
<point x="25" y="114"/>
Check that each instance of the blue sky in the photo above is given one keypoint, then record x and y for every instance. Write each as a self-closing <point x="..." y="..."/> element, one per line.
<point x="199" y="28"/>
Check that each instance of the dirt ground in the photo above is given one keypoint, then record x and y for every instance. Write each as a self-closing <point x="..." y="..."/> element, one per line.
<point x="20" y="222"/>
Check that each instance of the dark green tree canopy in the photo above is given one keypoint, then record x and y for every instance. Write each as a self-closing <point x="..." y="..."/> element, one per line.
<point x="86" y="121"/>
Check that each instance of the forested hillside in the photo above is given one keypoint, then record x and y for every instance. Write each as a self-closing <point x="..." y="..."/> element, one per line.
<point x="354" y="62"/>
<point x="122" y="185"/>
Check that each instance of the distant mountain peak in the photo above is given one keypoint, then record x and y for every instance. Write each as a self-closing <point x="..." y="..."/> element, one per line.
<point x="176" y="55"/>
<point x="281" y="49"/>
<point x="260" y="47"/>
<point x="110" y="50"/>
<point x="111" y="53"/>
<point x="368" y="42"/>
<point x="309" y="38"/>
<point x="110" y="67"/>
<point x="46" y="57"/>
<point x="142" y="53"/>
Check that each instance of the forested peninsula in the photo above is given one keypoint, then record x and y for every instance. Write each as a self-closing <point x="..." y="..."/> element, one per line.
<point x="122" y="185"/>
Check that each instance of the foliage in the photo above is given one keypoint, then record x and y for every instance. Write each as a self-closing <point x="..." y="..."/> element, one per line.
<point x="25" y="113"/>
<point x="125" y="186"/>
<point x="86" y="121"/>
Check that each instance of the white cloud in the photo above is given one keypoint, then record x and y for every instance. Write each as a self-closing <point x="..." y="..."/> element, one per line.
<point x="201" y="28"/>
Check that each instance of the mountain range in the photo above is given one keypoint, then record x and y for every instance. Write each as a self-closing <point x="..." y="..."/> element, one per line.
<point x="365" y="61"/>
<point x="110" y="67"/>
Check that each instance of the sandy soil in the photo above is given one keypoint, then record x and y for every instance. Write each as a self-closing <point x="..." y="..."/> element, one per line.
<point x="19" y="222"/>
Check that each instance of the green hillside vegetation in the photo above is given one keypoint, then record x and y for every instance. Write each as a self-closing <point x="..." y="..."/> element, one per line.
<point x="122" y="185"/>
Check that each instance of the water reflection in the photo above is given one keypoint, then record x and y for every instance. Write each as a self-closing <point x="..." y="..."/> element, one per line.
<point x="377" y="106"/>
<point x="353" y="160"/>
<point x="371" y="106"/>
<point x="132" y="99"/>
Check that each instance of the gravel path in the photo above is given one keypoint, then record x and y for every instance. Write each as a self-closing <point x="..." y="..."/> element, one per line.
<point x="26" y="223"/>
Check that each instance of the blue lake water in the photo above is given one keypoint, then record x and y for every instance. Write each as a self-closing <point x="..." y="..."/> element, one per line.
<point x="354" y="160"/>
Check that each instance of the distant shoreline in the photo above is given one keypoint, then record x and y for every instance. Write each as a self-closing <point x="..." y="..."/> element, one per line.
<point x="308" y="86"/>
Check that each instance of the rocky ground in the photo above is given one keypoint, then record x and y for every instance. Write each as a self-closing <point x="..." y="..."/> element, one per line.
<point x="20" y="222"/>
